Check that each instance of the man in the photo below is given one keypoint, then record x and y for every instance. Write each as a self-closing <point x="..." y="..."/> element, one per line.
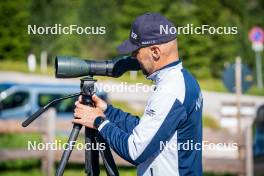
<point x="173" y="114"/>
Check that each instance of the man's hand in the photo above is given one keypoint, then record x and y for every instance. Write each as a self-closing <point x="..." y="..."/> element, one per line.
<point x="99" y="103"/>
<point x="85" y="115"/>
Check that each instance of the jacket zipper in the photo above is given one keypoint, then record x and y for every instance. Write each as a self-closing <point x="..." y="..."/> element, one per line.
<point x="151" y="171"/>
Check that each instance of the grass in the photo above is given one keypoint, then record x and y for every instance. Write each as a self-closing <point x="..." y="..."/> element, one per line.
<point x="77" y="172"/>
<point x="255" y="91"/>
<point x="19" y="66"/>
<point x="13" y="140"/>
<point x="212" y="85"/>
<point x="217" y="85"/>
<point x="124" y="171"/>
<point x="210" y="122"/>
<point x="20" y="164"/>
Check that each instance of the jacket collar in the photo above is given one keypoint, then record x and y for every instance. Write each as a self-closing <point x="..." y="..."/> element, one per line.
<point x="156" y="76"/>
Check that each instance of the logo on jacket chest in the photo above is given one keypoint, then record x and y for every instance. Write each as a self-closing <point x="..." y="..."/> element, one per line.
<point x="150" y="112"/>
<point x="199" y="102"/>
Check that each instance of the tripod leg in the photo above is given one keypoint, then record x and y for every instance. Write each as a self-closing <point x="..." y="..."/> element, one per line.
<point x="66" y="153"/>
<point x="107" y="157"/>
<point x="92" y="167"/>
<point x="92" y="156"/>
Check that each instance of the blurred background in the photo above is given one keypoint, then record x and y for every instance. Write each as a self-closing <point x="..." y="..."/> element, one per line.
<point x="27" y="80"/>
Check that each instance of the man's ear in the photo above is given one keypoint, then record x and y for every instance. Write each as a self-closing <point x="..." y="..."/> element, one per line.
<point x="155" y="51"/>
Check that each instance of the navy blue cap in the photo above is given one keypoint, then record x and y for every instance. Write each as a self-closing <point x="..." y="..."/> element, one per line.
<point x="146" y="31"/>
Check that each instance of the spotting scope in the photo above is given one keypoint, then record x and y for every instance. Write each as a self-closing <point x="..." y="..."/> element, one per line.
<point x="72" y="67"/>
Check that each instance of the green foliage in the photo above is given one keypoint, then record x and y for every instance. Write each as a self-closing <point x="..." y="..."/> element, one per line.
<point x="14" y="41"/>
<point x="48" y="13"/>
<point x="204" y="55"/>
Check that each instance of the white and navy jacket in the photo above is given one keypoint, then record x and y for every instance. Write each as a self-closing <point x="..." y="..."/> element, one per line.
<point x="173" y="116"/>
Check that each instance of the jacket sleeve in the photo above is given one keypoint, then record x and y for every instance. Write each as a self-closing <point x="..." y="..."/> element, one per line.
<point x="158" y="124"/>
<point x="121" y="119"/>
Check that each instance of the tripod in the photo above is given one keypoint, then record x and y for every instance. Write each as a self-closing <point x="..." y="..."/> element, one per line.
<point x="92" y="137"/>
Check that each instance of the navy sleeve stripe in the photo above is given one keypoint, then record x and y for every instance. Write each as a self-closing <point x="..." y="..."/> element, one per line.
<point x="123" y="120"/>
<point x="118" y="140"/>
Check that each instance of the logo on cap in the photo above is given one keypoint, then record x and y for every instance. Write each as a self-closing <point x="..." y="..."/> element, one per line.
<point x="133" y="35"/>
<point x="148" y="42"/>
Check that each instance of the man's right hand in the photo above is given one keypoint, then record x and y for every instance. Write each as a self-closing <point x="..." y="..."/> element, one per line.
<point x="98" y="102"/>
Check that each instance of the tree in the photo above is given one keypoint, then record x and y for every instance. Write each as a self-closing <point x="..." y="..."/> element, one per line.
<point x="13" y="29"/>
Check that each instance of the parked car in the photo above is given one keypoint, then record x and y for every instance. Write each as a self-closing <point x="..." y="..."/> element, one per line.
<point x="19" y="101"/>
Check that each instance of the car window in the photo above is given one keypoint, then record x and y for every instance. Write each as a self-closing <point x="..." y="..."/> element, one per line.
<point x="15" y="100"/>
<point x="61" y="107"/>
<point x="3" y="87"/>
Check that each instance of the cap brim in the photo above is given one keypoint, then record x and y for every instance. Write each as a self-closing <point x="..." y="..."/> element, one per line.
<point x="127" y="47"/>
